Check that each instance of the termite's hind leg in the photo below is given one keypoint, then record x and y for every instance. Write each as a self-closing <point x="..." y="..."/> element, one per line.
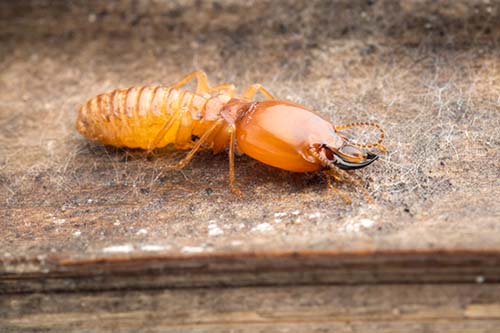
<point x="182" y="163"/>
<point x="332" y="187"/>
<point x="252" y="90"/>
<point x="163" y="131"/>
<point x="201" y="81"/>
<point x="232" y="178"/>
<point x="178" y="114"/>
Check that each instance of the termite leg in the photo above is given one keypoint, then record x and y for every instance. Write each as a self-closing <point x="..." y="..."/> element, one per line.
<point x="164" y="130"/>
<point x="341" y="193"/>
<point x="202" y="78"/>
<point x="343" y="175"/>
<point x="252" y="90"/>
<point x="232" y="142"/>
<point x="182" y="163"/>
<point x="202" y="85"/>
<point x="229" y="88"/>
<point x="183" y="139"/>
<point x="168" y="125"/>
<point x="201" y="81"/>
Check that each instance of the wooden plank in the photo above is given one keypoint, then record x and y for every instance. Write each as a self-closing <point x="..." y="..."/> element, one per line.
<point x="213" y="270"/>
<point x="382" y="308"/>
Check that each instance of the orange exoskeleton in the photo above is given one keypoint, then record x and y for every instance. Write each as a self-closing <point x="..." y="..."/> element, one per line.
<point x="278" y="133"/>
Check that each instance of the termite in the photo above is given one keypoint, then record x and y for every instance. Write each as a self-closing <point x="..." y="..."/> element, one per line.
<point x="279" y="133"/>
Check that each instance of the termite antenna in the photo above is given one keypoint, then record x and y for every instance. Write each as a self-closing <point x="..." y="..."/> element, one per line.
<point x="378" y="144"/>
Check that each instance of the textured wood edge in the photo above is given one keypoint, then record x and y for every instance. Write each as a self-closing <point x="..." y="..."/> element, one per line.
<point x="373" y="308"/>
<point x="248" y="269"/>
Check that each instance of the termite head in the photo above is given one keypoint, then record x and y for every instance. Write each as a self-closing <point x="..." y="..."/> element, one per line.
<point x="344" y="156"/>
<point x="289" y="136"/>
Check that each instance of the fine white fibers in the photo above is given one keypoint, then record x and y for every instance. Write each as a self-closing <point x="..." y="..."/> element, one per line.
<point x="119" y="248"/>
<point x="214" y="230"/>
<point x="315" y="215"/>
<point x="356" y="226"/>
<point x="152" y="247"/>
<point x="262" y="227"/>
<point x="192" y="249"/>
<point x="142" y="231"/>
<point x="366" y="223"/>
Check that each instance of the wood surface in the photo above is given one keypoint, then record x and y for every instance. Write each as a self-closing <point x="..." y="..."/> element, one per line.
<point x="381" y="308"/>
<point x="85" y="223"/>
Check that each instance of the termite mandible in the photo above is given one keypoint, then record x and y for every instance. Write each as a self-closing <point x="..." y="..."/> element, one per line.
<point x="279" y="133"/>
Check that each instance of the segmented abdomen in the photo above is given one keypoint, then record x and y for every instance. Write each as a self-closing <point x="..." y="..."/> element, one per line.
<point x="133" y="117"/>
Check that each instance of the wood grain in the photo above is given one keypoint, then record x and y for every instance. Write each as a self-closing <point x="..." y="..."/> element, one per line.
<point x="383" y="308"/>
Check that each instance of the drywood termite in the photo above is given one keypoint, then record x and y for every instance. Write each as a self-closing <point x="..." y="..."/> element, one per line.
<point x="279" y="133"/>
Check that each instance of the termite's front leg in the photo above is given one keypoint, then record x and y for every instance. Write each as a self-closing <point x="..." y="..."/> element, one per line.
<point x="341" y="175"/>
<point x="332" y="187"/>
